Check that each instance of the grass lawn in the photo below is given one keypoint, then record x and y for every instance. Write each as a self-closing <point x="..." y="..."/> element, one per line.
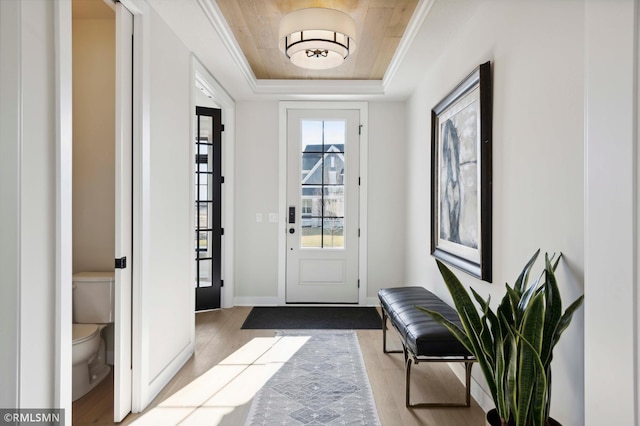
<point x="311" y="237"/>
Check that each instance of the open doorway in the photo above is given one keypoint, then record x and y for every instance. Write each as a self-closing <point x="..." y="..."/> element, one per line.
<point x="102" y="209"/>
<point x="213" y="133"/>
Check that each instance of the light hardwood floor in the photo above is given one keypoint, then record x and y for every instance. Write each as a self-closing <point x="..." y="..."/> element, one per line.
<point x="218" y="334"/>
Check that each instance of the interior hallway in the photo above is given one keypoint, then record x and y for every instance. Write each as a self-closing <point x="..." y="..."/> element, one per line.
<point x="218" y="335"/>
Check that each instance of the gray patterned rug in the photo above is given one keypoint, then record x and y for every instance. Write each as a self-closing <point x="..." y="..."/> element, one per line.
<point x="324" y="383"/>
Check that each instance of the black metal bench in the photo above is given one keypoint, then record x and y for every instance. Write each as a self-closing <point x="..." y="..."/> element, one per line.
<point x="423" y="339"/>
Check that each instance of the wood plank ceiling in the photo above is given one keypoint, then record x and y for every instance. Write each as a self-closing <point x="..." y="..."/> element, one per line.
<point x="380" y="25"/>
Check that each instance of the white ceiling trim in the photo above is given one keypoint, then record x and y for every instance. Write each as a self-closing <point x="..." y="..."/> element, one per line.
<point x="215" y="16"/>
<point x="319" y="87"/>
<point x="314" y="87"/>
<point x="413" y="27"/>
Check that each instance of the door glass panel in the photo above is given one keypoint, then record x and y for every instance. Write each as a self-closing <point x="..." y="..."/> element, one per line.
<point x="208" y="208"/>
<point x="311" y="235"/>
<point x="311" y="161"/>
<point x="203" y="241"/>
<point x="204" y="200"/>
<point x="333" y="201"/>
<point x="202" y="216"/>
<point x="333" y="233"/>
<point x="322" y="183"/>
<point x="334" y="169"/>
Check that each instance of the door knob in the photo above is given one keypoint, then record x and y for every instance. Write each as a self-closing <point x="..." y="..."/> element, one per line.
<point x="292" y="230"/>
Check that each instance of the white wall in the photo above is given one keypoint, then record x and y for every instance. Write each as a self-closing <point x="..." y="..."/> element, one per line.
<point x="166" y="287"/>
<point x="28" y="206"/>
<point x="386" y="201"/>
<point x="537" y="59"/>
<point x="10" y="107"/>
<point x="611" y="212"/>
<point x="256" y="178"/>
<point x="37" y="227"/>
<point x="93" y="144"/>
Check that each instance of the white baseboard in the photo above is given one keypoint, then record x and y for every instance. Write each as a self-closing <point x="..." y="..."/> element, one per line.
<point x="162" y="379"/>
<point x="373" y="301"/>
<point x="255" y="301"/>
<point x="273" y="301"/>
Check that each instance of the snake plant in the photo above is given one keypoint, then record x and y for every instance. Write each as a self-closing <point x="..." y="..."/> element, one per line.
<point x="514" y="343"/>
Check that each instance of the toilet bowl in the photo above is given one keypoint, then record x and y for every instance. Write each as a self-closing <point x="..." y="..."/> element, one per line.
<point x="93" y="303"/>
<point x="88" y="358"/>
<point x="86" y="341"/>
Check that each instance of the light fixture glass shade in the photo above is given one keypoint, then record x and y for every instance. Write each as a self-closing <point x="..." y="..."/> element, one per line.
<point x="317" y="38"/>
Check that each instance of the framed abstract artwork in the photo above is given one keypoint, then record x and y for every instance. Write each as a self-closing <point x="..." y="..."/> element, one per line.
<point x="461" y="175"/>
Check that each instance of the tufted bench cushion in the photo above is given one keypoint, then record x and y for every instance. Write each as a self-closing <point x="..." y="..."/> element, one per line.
<point x="422" y="335"/>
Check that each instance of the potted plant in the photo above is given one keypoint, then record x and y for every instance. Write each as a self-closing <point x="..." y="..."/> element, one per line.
<point x="513" y="344"/>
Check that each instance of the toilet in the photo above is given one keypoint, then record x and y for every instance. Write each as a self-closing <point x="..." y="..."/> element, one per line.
<point x="93" y="310"/>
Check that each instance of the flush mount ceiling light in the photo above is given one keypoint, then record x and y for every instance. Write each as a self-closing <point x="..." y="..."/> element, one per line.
<point x="317" y="38"/>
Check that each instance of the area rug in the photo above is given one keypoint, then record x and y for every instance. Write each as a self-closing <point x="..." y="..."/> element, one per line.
<point x="313" y="318"/>
<point x="323" y="383"/>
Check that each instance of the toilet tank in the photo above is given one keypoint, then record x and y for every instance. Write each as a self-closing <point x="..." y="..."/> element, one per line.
<point x="93" y="297"/>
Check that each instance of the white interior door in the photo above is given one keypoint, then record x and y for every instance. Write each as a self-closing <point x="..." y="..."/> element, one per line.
<point x="323" y="206"/>
<point x="123" y="217"/>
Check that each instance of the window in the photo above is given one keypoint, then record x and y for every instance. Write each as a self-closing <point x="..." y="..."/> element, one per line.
<point x="322" y="183"/>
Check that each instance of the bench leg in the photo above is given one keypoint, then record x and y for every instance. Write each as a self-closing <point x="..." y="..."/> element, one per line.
<point x="407" y="379"/>
<point x="467" y="366"/>
<point x="384" y="333"/>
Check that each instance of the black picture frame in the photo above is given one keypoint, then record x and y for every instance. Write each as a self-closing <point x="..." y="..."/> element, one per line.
<point x="461" y="175"/>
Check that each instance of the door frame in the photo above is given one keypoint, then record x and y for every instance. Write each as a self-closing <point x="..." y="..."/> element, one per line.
<point x="284" y="107"/>
<point x="64" y="127"/>
<point x="64" y="257"/>
<point x="203" y="81"/>
<point x="63" y="221"/>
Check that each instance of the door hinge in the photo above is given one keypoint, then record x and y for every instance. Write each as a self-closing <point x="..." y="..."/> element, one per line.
<point x="360" y="129"/>
<point x="221" y="231"/>
<point x="121" y="263"/>
<point x="358" y="181"/>
<point x="222" y="127"/>
<point x="221" y="283"/>
<point x="358" y="282"/>
<point x="358" y="232"/>
<point x="221" y="179"/>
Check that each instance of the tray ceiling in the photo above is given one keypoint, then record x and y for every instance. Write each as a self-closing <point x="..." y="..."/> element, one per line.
<point x="380" y="26"/>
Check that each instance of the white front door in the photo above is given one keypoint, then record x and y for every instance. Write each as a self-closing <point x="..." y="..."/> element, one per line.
<point x="123" y="216"/>
<point x="323" y="175"/>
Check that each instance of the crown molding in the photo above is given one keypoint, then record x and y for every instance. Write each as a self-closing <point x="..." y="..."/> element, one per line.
<point x="215" y="16"/>
<point x="319" y="87"/>
<point x="413" y="27"/>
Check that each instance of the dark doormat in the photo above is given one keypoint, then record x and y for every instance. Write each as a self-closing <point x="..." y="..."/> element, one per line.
<point x="313" y="318"/>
